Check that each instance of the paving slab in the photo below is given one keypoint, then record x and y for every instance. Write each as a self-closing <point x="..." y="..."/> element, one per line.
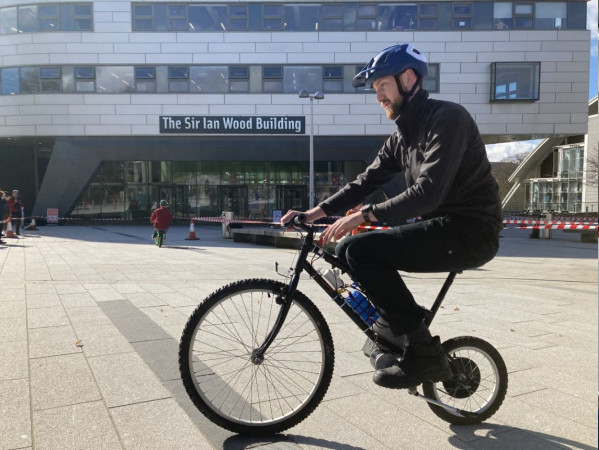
<point x="90" y="318"/>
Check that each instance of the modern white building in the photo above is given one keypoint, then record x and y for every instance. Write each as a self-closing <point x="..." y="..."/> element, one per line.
<point x="560" y="174"/>
<point x="108" y="106"/>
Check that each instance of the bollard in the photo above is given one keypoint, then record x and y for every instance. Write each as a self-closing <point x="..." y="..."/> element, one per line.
<point x="227" y="216"/>
<point x="546" y="233"/>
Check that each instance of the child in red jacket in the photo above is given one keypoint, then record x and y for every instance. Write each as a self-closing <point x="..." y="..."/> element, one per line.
<point x="161" y="218"/>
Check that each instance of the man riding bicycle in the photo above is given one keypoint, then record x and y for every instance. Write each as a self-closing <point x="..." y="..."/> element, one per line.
<point x="449" y="184"/>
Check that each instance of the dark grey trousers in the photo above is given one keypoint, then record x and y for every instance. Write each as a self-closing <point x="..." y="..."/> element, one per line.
<point x="442" y="244"/>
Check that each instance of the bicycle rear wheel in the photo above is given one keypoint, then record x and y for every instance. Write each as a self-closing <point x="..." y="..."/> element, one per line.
<point x="255" y="398"/>
<point x="478" y="386"/>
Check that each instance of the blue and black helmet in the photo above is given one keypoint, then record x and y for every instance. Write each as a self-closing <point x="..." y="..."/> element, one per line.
<point x="393" y="60"/>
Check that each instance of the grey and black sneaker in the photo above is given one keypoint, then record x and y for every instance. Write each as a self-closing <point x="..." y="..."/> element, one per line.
<point x="422" y="362"/>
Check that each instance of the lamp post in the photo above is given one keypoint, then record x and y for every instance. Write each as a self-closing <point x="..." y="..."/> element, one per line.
<point x="318" y="96"/>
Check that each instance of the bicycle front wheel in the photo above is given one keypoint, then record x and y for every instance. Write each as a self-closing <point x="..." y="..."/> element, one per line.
<point x="247" y="397"/>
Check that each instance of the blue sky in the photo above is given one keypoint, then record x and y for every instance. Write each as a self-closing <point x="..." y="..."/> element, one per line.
<point x="497" y="152"/>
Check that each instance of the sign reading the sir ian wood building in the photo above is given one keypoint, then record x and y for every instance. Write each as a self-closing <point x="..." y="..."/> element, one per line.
<point x="233" y="124"/>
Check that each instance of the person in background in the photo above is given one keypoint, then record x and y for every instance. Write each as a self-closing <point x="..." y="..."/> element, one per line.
<point x="3" y="212"/>
<point x="161" y="218"/>
<point x="16" y="205"/>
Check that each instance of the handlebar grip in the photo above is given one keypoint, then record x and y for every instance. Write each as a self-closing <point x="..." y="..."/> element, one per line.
<point x="299" y="219"/>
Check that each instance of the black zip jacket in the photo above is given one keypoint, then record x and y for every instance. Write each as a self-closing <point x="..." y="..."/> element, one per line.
<point x="440" y="151"/>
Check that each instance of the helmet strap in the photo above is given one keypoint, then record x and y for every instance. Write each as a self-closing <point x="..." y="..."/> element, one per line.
<point x="406" y="96"/>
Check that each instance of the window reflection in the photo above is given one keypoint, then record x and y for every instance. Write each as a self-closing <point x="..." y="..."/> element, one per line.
<point x="117" y="79"/>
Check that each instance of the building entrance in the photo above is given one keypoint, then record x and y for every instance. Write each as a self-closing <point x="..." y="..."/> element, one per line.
<point x="234" y="199"/>
<point x="176" y="196"/>
<point x="292" y="197"/>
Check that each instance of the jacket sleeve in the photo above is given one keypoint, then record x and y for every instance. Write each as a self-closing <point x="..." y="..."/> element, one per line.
<point x="439" y="158"/>
<point x="153" y="217"/>
<point x="384" y="167"/>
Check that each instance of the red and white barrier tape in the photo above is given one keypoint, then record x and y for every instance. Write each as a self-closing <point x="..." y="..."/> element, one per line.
<point x="559" y="227"/>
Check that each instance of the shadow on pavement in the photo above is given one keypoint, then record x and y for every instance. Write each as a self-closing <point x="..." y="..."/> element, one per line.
<point x="238" y="442"/>
<point x="494" y="436"/>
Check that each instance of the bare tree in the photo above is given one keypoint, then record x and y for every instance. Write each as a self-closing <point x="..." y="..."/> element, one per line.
<point x="502" y="171"/>
<point x="517" y="158"/>
<point x="592" y="170"/>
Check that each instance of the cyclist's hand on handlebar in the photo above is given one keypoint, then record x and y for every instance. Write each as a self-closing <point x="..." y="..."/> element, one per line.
<point x="341" y="227"/>
<point x="311" y="215"/>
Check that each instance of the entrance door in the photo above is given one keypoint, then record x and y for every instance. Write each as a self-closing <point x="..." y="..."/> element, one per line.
<point x="176" y="196"/>
<point x="292" y="197"/>
<point x="234" y="199"/>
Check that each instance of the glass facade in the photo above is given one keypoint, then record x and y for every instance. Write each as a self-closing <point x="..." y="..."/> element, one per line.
<point x="356" y="16"/>
<point x="46" y="17"/>
<point x="187" y="79"/>
<point x="563" y="191"/>
<point x="252" y="189"/>
<point x="346" y="16"/>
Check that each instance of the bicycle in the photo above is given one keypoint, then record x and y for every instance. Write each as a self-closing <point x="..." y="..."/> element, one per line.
<point x="256" y="356"/>
<point x="159" y="237"/>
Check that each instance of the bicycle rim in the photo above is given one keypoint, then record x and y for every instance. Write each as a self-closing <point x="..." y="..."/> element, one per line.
<point x="478" y="386"/>
<point x="275" y="393"/>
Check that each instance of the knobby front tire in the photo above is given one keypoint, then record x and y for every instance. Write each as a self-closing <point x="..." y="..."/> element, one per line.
<point x="479" y="382"/>
<point x="224" y="383"/>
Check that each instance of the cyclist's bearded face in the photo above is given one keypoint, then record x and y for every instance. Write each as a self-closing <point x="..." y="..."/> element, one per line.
<point x="387" y="94"/>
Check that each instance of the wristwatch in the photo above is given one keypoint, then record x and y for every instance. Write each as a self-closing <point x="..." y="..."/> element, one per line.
<point x="365" y="210"/>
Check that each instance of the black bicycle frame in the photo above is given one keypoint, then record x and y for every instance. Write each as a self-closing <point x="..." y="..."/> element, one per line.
<point x="308" y="246"/>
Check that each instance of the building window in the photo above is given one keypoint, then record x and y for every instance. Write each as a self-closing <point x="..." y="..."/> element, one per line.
<point x="515" y="81"/>
<point x="301" y="17"/>
<point x="427" y="16"/>
<point x="209" y="79"/>
<point x="239" y="79"/>
<point x="332" y="78"/>
<point x="297" y="78"/>
<point x="272" y="79"/>
<point x="238" y="17"/>
<point x="523" y="15"/>
<point x="502" y="15"/>
<point x="550" y="16"/>
<point x="178" y="79"/>
<point x="85" y="79"/>
<point x="177" y="17"/>
<point x="366" y="18"/>
<point x="8" y="20"/>
<point x="272" y="17"/>
<point x="332" y="17"/>
<point x="145" y="79"/>
<point x="398" y="17"/>
<point x="115" y="79"/>
<point x="27" y="17"/>
<point x="48" y="17"/>
<point x="143" y="17"/>
<point x="29" y="80"/>
<point x="431" y="81"/>
<point x="50" y="79"/>
<point x="82" y="17"/>
<point x="462" y="15"/>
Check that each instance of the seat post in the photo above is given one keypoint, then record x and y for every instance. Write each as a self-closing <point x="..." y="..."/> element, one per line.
<point x="440" y="297"/>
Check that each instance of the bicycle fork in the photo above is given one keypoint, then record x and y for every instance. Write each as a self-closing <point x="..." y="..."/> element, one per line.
<point x="283" y="299"/>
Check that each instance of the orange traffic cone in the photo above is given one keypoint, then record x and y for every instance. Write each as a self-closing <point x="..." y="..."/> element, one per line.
<point x="9" y="232"/>
<point x="32" y="225"/>
<point x="192" y="233"/>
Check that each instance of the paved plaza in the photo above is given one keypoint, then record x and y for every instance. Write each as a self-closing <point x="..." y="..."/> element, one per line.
<point x="91" y="316"/>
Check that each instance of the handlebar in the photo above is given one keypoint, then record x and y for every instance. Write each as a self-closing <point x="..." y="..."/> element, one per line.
<point x="297" y="220"/>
